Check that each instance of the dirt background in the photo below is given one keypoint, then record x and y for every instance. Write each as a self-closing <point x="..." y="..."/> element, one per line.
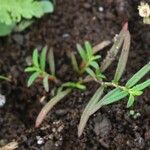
<point x="74" y="22"/>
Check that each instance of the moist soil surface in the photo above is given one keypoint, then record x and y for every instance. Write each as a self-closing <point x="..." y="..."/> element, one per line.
<point x="74" y="22"/>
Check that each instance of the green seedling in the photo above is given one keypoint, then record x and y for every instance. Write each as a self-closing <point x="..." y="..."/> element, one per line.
<point x="89" y="62"/>
<point x="13" y="12"/>
<point x="90" y="66"/>
<point x="131" y="90"/>
<point x="38" y="68"/>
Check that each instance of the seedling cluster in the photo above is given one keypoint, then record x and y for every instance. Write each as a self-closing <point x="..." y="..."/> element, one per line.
<point x="94" y="71"/>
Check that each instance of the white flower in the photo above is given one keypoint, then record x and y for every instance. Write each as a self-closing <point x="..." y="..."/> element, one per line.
<point x="144" y="10"/>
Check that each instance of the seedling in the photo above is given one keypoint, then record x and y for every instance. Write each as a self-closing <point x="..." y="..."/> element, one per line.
<point x="14" y="11"/>
<point x="38" y="68"/>
<point x="89" y="62"/>
<point x="94" y="71"/>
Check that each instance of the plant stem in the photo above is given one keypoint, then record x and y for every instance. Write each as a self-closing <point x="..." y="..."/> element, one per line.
<point x="110" y="84"/>
<point x="5" y="78"/>
<point x="50" y="77"/>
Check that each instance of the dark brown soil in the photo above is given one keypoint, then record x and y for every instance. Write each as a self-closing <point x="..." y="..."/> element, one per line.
<point x="74" y="21"/>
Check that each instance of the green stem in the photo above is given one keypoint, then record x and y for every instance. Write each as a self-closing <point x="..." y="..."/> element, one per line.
<point x="110" y="84"/>
<point x="50" y="77"/>
<point x="5" y="78"/>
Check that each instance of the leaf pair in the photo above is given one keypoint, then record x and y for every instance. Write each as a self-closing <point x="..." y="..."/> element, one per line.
<point x="38" y="68"/>
<point x="136" y="90"/>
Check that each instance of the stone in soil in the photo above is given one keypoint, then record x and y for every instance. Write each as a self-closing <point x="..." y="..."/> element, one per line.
<point x="102" y="126"/>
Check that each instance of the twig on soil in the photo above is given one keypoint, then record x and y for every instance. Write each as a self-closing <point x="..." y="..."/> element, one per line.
<point x="101" y="46"/>
<point x="10" y="146"/>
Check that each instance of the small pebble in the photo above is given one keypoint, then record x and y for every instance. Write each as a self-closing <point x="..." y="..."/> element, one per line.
<point x="18" y="38"/>
<point x="60" y="128"/>
<point x="86" y="5"/>
<point x="147" y="135"/>
<point x="2" y="100"/>
<point x="61" y="112"/>
<point x="65" y="35"/>
<point x="53" y="129"/>
<point x="101" y="9"/>
<point x="29" y="60"/>
<point x="116" y="37"/>
<point x="40" y="140"/>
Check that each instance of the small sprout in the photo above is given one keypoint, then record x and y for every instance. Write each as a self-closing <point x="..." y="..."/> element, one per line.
<point x="38" y="68"/>
<point x="89" y="62"/>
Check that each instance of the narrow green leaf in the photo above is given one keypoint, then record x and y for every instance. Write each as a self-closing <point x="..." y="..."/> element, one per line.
<point x="142" y="86"/>
<point x="31" y="69"/>
<point x="74" y="62"/>
<point x="111" y="93"/>
<point x="86" y="113"/>
<point x="115" y="98"/>
<point x="130" y="101"/>
<point x="80" y="86"/>
<point x="50" y="105"/>
<point x="109" y="100"/>
<point x="51" y="61"/>
<point x="96" y="57"/>
<point x="45" y="83"/>
<point x="99" y="75"/>
<point x="82" y="53"/>
<point x="43" y="58"/>
<point x="35" y="58"/>
<point x="32" y="78"/>
<point x="138" y="76"/>
<point x="4" y="78"/>
<point x="123" y="57"/>
<point x="94" y="64"/>
<point x="74" y="85"/>
<point x="90" y="72"/>
<point x="89" y="50"/>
